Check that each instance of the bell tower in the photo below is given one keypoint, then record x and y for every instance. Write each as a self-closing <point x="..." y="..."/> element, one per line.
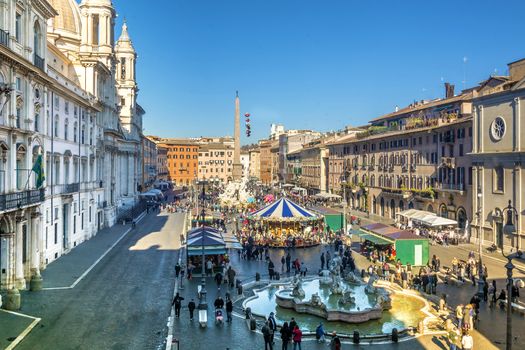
<point x="98" y="28"/>
<point x="126" y="56"/>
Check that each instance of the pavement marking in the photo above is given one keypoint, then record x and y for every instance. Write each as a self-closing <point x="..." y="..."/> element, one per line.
<point x="26" y="331"/>
<point x="171" y="318"/>
<point x="77" y="281"/>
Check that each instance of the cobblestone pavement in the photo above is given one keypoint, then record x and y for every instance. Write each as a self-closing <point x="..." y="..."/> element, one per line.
<point x="124" y="301"/>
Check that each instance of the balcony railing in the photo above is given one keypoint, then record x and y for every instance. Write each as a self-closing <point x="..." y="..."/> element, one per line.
<point x="4" y="38"/>
<point x="70" y="188"/>
<point x="39" y="62"/>
<point x="451" y="187"/>
<point x="21" y="199"/>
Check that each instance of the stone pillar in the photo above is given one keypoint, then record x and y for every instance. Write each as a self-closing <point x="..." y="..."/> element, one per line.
<point x="36" y="280"/>
<point x="20" y="282"/>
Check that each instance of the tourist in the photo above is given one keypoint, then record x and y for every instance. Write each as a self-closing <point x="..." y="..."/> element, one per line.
<point x="292" y="324"/>
<point x="191" y="308"/>
<point x="209" y="267"/>
<point x="229" y="309"/>
<point x="459" y="315"/>
<point x="322" y="261"/>
<point x="177" y="302"/>
<point x="297" y="338"/>
<point x="303" y="269"/>
<point x="265" y="330"/>
<point x="467" y="342"/>
<point x="273" y="326"/>
<point x="320" y="333"/>
<point x="288" y="262"/>
<point x="283" y="263"/>
<point x="286" y="335"/>
<point x="335" y="343"/>
<point x="271" y="269"/>
<point x="218" y="280"/>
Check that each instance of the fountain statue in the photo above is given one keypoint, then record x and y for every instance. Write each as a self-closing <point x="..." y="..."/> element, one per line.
<point x="325" y="279"/>
<point x="298" y="291"/>
<point x="352" y="278"/>
<point x="235" y="193"/>
<point x="346" y="299"/>
<point x="315" y="300"/>
<point x="370" y="288"/>
<point x="336" y="287"/>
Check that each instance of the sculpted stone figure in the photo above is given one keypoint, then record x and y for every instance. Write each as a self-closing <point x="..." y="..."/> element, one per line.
<point x="346" y="299"/>
<point x="298" y="291"/>
<point x="370" y="289"/>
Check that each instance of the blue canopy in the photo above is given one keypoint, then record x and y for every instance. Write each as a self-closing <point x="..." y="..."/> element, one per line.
<point x="284" y="209"/>
<point x="206" y="236"/>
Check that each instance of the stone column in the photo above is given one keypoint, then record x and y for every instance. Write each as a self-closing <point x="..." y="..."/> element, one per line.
<point x="90" y="29"/>
<point x="36" y="280"/>
<point x="20" y="282"/>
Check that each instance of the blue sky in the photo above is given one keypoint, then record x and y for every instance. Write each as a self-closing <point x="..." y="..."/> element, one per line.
<point x="317" y="64"/>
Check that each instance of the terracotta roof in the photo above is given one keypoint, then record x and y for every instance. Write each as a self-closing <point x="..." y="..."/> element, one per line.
<point x="423" y="106"/>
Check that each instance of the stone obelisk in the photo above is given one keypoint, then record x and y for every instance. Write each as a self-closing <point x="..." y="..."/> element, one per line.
<point x="237" y="166"/>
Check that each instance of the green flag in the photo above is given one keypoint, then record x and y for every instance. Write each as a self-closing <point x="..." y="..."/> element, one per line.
<point x="38" y="168"/>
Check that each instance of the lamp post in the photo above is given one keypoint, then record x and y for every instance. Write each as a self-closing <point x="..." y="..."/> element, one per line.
<point x="203" y="306"/>
<point x="481" y="281"/>
<point x="511" y="213"/>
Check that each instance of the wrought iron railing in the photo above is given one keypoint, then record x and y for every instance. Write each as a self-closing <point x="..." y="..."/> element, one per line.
<point x="21" y="199"/>
<point x="39" y="61"/>
<point x="4" y="38"/>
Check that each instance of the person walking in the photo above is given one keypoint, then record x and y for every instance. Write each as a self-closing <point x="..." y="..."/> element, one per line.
<point x="229" y="309"/>
<point x="273" y="326"/>
<point x="286" y="335"/>
<point x="459" y="315"/>
<point x="335" y="343"/>
<point x="297" y="338"/>
<point x="231" y="276"/>
<point x="320" y="333"/>
<point x="322" y="261"/>
<point x="265" y="330"/>
<point x="303" y="269"/>
<point x="177" y="270"/>
<point x="218" y="280"/>
<point x="177" y="302"/>
<point x="271" y="269"/>
<point x="191" y="308"/>
<point x="283" y="263"/>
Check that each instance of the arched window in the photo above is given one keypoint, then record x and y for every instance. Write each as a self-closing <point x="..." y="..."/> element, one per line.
<point x="37" y="39"/>
<point x="392" y="209"/>
<point x="91" y="136"/>
<point x="443" y="212"/>
<point x="66" y="129"/>
<point x="83" y="135"/>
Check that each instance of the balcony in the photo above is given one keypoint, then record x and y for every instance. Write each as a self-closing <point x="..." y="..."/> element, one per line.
<point x="449" y="162"/>
<point x="449" y="138"/>
<point x="4" y="38"/>
<point x="21" y="199"/>
<point x="39" y="62"/>
<point x="451" y="187"/>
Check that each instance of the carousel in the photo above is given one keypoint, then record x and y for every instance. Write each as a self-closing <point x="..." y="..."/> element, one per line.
<point x="283" y="223"/>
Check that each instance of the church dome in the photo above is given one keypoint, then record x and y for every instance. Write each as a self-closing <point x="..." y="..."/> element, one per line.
<point x="68" y="18"/>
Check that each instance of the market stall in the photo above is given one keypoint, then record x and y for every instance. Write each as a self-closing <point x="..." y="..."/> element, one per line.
<point x="333" y="219"/>
<point x="395" y="244"/>
<point x="205" y="242"/>
<point x="284" y="223"/>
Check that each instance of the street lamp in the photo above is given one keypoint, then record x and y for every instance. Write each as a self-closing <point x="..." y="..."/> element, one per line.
<point x="203" y="306"/>
<point x="511" y="212"/>
<point x="481" y="281"/>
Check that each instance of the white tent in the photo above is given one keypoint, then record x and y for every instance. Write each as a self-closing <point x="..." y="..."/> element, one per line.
<point x="427" y="218"/>
<point x="326" y="195"/>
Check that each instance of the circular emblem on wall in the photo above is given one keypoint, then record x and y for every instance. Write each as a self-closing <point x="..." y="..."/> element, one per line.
<point x="497" y="128"/>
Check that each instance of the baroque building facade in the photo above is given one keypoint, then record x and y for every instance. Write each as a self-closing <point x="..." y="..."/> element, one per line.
<point x="61" y="102"/>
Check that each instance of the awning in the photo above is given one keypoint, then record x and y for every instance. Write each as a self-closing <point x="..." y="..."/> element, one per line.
<point x="375" y="239"/>
<point x="326" y="195"/>
<point x="207" y="251"/>
<point x="427" y="218"/>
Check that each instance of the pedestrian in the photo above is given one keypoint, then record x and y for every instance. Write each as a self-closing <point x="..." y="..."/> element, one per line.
<point x="271" y="268"/>
<point x="335" y="343"/>
<point x="467" y="342"/>
<point x="485" y="290"/>
<point x="303" y="269"/>
<point x="292" y="325"/>
<point x="288" y="262"/>
<point x="191" y="308"/>
<point x="265" y="330"/>
<point x="322" y="261"/>
<point x="328" y="258"/>
<point x="459" y="315"/>
<point x="493" y="290"/>
<point x="177" y="270"/>
<point x="320" y="333"/>
<point x="229" y="309"/>
<point x="231" y="276"/>
<point x="177" y="302"/>
<point x="209" y="267"/>
<point x="273" y="326"/>
<point x="297" y="337"/>
<point x="218" y="280"/>
<point x="283" y="263"/>
<point x="286" y="335"/>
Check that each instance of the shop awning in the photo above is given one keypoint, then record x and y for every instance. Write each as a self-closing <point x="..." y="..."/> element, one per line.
<point x="207" y="251"/>
<point x="427" y="218"/>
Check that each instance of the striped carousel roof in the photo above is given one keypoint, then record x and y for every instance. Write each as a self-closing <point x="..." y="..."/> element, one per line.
<point x="284" y="209"/>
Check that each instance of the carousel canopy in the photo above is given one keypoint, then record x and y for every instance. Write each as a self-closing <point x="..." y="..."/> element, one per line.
<point x="284" y="209"/>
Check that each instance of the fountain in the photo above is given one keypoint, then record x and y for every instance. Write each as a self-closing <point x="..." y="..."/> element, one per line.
<point x="235" y="193"/>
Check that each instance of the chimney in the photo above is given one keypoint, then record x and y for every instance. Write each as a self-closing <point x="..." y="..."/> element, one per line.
<point x="449" y="90"/>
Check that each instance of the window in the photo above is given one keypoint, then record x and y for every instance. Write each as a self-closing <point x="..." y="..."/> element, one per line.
<point x="18" y="27"/>
<point x="56" y="126"/>
<point x="37" y="122"/>
<point x="37" y="39"/>
<point x="460" y="149"/>
<point x="57" y="102"/>
<point x="66" y="127"/>
<point x="83" y="135"/>
<point x="497" y="128"/>
<point x="498" y="179"/>
<point x="122" y="68"/>
<point x="75" y="131"/>
<point x="95" y="33"/>
<point x="470" y="175"/>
